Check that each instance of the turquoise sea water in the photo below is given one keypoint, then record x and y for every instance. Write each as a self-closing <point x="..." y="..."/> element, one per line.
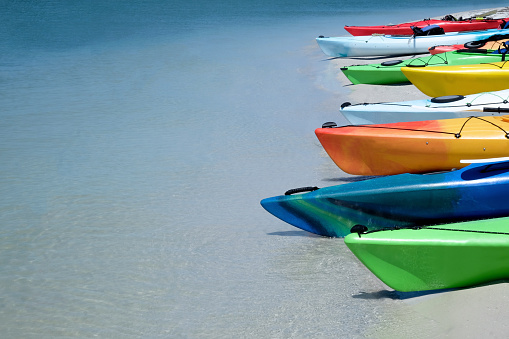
<point x="137" y="139"/>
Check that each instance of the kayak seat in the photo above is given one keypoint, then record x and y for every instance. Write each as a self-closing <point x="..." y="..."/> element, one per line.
<point x="449" y="17"/>
<point x="428" y="30"/>
<point x="474" y="44"/>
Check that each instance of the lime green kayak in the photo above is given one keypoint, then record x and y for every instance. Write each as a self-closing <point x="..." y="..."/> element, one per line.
<point x="436" y="257"/>
<point x="389" y="72"/>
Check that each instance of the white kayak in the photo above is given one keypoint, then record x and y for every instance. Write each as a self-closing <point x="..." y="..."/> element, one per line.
<point x="448" y="107"/>
<point x="391" y="45"/>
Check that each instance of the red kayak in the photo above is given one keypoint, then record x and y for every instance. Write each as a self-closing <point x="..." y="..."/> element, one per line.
<point x="448" y="23"/>
<point x="444" y="48"/>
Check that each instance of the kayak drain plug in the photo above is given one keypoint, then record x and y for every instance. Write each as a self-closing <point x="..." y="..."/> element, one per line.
<point x="359" y="229"/>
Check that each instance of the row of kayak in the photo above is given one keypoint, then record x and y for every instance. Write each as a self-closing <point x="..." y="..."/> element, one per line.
<point x="395" y="244"/>
<point x="417" y="37"/>
<point x="395" y="71"/>
<point x="389" y="45"/>
<point x="432" y="214"/>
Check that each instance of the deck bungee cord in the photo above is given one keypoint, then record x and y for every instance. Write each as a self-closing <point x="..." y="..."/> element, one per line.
<point x="457" y="135"/>
<point x="500" y="65"/>
<point x="363" y="230"/>
<point x="471" y="103"/>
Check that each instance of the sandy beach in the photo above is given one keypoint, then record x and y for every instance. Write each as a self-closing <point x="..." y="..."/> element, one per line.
<point x="464" y="313"/>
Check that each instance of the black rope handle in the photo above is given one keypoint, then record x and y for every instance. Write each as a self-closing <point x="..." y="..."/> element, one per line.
<point x="301" y="190"/>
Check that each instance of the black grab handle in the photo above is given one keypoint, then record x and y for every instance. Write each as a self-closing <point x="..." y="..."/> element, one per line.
<point x="301" y="189"/>
<point x="496" y="109"/>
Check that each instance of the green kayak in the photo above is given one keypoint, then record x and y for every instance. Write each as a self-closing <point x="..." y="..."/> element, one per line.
<point x="436" y="257"/>
<point x="389" y="72"/>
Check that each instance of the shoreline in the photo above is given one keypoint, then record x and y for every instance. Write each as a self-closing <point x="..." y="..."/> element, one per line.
<point x="363" y="93"/>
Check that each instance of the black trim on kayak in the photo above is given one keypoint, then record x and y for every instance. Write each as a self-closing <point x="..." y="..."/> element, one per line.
<point x="301" y="190"/>
<point x="474" y="44"/>
<point x="447" y="98"/>
<point x="473" y="50"/>
<point x="496" y="110"/>
<point x="391" y="62"/>
<point x="361" y="229"/>
<point x="330" y="124"/>
<point x="468" y="104"/>
<point x="501" y="66"/>
<point x="472" y="231"/>
<point x="457" y="135"/>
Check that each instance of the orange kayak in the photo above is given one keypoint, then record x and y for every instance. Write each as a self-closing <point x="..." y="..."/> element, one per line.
<point x="417" y="146"/>
<point x="495" y="42"/>
<point x="487" y="45"/>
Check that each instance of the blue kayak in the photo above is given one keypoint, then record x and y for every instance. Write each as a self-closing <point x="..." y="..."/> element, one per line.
<point x="474" y="192"/>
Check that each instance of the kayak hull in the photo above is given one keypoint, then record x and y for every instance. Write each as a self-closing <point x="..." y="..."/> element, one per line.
<point x="405" y="28"/>
<point x="487" y="103"/>
<point x="474" y="192"/>
<point x="464" y="79"/>
<point x="390" y="45"/>
<point x="436" y="257"/>
<point x="390" y="72"/>
<point x="415" y="146"/>
<point x="489" y="45"/>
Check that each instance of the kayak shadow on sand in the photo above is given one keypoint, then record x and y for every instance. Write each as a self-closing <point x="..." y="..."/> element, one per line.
<point x="396" y="295"/>
<point x="353" y="178"/>
<point x="391" y="85"/>
<point x="408" y="56"/>
<point x="295" y="234"/>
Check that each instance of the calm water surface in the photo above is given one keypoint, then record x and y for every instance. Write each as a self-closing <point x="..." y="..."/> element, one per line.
<point x="137" y="139"/>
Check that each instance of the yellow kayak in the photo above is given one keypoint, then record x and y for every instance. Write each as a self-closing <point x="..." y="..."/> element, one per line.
<point x="461" y="79"/>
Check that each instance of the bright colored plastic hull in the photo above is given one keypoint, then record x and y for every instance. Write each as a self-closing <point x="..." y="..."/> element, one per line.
<point x="465" y="79"/>
<point x="390" y="73"/>
<point x="389" y="45"/>
<point x="488" y="45"/>
<point x="481" y="104"/>
<point x="445" y="48"/>
<point x="416" y="146"/>
<point x="460" y="255"/>
<point x="474" y="192"/>
<point x="405" y="28"/>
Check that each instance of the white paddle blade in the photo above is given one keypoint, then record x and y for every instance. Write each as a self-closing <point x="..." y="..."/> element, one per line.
<point x="478" y="161"/>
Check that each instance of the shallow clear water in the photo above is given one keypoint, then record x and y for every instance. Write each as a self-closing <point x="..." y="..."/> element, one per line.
<point x="137" y="140"/>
